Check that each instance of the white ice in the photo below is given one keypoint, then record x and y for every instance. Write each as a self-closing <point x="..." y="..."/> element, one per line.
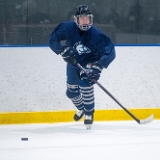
<point x="125" y="140"/>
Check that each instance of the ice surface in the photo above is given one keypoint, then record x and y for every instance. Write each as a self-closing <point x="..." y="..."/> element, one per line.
<point x="125" y="140"/>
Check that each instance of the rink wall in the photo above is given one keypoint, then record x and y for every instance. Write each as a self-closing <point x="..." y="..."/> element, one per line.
<point x="32" y="85"/>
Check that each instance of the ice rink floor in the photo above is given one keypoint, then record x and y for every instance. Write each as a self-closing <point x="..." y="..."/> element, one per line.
<point x="125" y="140"/>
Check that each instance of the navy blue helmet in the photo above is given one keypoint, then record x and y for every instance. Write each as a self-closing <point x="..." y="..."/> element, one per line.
<point x="83" y="10"/>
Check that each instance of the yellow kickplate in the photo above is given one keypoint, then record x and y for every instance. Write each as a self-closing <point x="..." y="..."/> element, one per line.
<point x="67" y="116"/>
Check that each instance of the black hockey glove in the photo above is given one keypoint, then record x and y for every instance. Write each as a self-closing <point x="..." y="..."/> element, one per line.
<point x="68" y="55"/>
<point x="93" y="73"/>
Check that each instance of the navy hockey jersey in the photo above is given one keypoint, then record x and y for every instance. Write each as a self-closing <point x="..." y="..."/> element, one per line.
<point x="91" y="46"/>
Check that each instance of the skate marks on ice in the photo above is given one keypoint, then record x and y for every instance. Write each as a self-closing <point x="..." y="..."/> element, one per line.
<point x="79" y="127"/>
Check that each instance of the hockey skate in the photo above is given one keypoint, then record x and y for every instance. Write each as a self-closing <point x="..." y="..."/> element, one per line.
<point x="88" y="121"/>
<point x="78" y="115"/>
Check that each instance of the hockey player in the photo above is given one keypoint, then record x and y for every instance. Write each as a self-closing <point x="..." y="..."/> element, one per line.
<point x="92" y="49"/>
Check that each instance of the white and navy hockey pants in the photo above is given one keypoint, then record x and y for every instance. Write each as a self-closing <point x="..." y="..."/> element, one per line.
<point x="79" y="91"/>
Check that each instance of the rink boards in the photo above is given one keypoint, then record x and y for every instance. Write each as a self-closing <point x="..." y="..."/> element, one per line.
<point x="33" y="85"/>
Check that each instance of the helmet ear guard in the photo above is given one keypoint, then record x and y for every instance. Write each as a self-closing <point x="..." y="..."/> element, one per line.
<point x="83" y="10"/>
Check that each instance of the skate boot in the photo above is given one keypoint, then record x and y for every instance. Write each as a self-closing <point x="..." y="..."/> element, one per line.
<point x="78" y="115"/>
<point x="88" y="121"/>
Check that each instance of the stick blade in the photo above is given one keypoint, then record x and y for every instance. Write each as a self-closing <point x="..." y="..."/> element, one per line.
<point x="147" y="120"/>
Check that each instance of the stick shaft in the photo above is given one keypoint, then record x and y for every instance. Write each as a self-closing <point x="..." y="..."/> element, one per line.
<point x="110" y="95"/>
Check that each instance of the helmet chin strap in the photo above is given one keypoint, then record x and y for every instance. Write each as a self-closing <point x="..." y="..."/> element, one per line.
<point x="84" y="27"/>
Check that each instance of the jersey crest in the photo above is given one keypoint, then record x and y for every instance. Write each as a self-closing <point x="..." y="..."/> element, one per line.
<point x="81" y="49"/>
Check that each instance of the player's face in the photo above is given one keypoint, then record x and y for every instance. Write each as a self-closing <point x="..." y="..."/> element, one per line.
<point x="83" y="20"/>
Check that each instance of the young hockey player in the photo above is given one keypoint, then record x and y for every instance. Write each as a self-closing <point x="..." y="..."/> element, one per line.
<point x="92" y="49"/>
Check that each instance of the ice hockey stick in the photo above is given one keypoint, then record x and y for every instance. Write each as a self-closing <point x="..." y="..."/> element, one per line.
<point x="144" y="121"/>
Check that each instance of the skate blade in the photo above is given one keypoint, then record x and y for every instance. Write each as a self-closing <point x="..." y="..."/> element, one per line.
<point x="88" y="126"/>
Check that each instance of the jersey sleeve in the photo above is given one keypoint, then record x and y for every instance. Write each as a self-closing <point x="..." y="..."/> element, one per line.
<point x="59" y="34"/>
<point x="106" y="50"/>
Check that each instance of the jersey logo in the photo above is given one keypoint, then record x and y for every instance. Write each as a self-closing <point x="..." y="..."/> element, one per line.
<point x="81" y="49"/>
